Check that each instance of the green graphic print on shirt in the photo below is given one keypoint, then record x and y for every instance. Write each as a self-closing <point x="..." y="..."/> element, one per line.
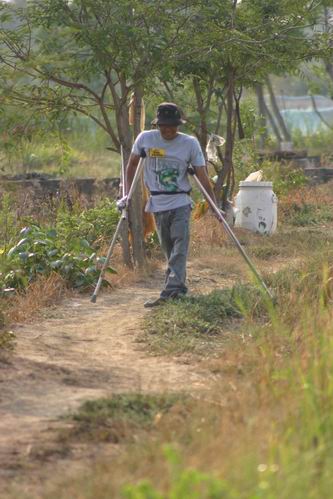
<point x="168" y="173"/>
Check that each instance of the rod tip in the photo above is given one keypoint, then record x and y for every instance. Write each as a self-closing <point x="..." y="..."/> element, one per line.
<point x="93" y="299"/>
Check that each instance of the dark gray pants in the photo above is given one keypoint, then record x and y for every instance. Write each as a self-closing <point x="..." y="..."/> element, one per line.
<point x="174" y="235"/>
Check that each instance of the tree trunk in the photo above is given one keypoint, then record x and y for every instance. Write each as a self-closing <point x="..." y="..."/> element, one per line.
<point x="318" y="113"/>
<point x="201" y="108"/>
<point x="125" y="139"/>
<point x="124" y="233"/>
<point x="226" y="173"/>
<point x="328" y="29"/>
<point x="137" y="209"/>
<point x="271" y="119"/>
<point x="262" y="115"/>
<point x="220" y="106"/>
<point x="276" y="112"/>
<point x="241" y="133"/>
<point x="329" y="69"/>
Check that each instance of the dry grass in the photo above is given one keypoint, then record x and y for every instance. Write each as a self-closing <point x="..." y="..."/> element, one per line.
<point x="206" y="232"/>
<point x="44" y="292"/>
<point x="126" y="276"/>
<point x="318" y="194"/>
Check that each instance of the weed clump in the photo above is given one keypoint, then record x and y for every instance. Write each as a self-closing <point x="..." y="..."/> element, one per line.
<point x="195" y="324"/>
<point x="7" y="340"/>
<point x="309" y="214"/>
<point x="120" y="417"/>
<point x="307" y="282"/>
<point x="307" y="207"/>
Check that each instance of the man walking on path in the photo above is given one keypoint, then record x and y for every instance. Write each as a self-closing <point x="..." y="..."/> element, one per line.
<point x="169" y="153"/>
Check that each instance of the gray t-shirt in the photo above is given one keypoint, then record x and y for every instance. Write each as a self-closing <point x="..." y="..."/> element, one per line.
<point x="166" y="167"/>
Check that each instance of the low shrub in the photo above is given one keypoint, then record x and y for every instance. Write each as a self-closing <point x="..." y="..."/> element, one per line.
<point x="7" y="340"/>
<point x="96" y="224"/>
<point x="285" y="177"/>
<point x="42" y="251"/>
<point x="307" y="206"/>
<point x="68" y="247"/>
<point x="308" y="214"/>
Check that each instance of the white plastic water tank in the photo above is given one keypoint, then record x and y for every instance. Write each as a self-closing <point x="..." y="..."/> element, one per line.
<point x="256" y="206"/>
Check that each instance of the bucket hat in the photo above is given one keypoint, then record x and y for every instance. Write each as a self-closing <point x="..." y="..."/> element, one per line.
<point x="168" y="113"/>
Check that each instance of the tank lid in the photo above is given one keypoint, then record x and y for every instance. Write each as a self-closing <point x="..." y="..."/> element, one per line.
<point x="243" y="183"/>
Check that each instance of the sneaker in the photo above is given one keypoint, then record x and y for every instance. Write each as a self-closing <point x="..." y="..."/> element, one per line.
<point x="155" y="302"/>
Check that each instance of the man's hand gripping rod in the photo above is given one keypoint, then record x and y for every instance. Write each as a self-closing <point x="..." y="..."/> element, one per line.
<point x="232" y="236"/>
<point x="123" y="217"/>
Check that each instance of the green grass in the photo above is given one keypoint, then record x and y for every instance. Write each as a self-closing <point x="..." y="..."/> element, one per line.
<point x="197" y="324"/>
<point x="78" y="154"/>
<point x="265" y="251"/>
<point x="309" y="214"/>
<point x="291" y="242"/>
<point x="120" y="417"/>
<point x="7" y="340"/>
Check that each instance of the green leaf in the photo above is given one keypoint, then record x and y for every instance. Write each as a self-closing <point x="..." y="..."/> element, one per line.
<point x="24" y="255"/>
<point x="22" y="242"/>
<point x="57" y="264"/>
<point x="40" y="242"/>
<point x="90" y="270"/>
<point x="25" y="231"/>
<point x="52" y="252"/>
<point x="101" y="260"/>
<point x="111" y="270"/>
<point x="52" y="233"/>
<point x="84" y="243"/>
<point x="12" y="251"/>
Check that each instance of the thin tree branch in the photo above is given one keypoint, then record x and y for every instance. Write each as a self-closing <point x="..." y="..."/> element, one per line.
<point x="318" y="113"/>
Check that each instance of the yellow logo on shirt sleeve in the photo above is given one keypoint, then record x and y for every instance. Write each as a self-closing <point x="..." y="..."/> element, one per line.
<point x="156" y="153"/>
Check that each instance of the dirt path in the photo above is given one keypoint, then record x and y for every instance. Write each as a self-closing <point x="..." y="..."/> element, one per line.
<point x="80" y="352"/>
